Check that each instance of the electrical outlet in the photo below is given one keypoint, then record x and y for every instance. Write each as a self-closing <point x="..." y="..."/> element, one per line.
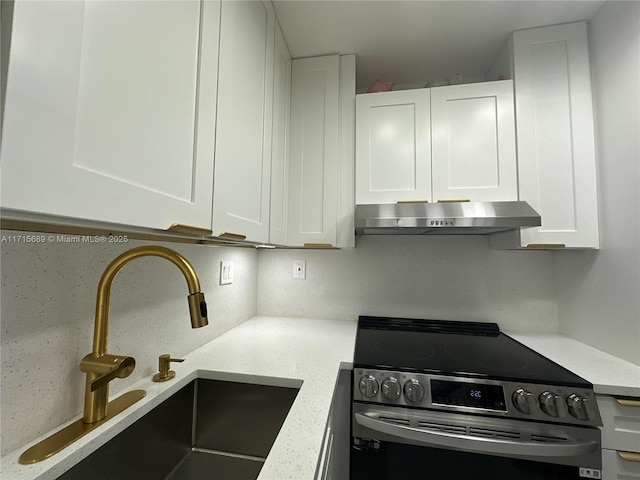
<point x="226" y="273"/>
<point x="300" y="269"/>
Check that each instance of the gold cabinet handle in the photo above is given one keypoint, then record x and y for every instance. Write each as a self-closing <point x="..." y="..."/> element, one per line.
<point x="318" y="245"/>
<point x="189" y="229"/>
<point x="629" y="456"/>
<point x="232" y="236"/>
<point x="545" y="245"/>
<point x="627" y="401"/>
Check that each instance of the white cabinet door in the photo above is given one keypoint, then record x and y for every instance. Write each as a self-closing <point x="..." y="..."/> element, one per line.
<point x="621" y="423"/>
<point x="393" y="147"/>
<point x="473" y="149"/>
<point x="333" y="463"/>
<point x="107" y="116"/>
<point x="321" y="151"/>
<point x="615" y="467"/>
<point x="313" y="200"/>
<point x="314" y="154"/>
<point x="280" y="148"/>
<point x="556" y="153"/>
<point x="243" y="146"/>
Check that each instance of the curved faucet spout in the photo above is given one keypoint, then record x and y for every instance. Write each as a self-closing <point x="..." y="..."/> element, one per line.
<point x="102" y="367"/>
<point x="197" y="304"/>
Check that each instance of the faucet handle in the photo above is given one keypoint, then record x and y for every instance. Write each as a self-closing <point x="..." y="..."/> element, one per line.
<point x="163" y="365"/>
<point x="105" y="368"/>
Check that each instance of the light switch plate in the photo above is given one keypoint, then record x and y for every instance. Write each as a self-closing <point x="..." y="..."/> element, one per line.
<point x="226" y="273"/>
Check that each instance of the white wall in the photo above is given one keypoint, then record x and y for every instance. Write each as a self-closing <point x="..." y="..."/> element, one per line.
<point x="599" y="298"/>
<point x="47" y="311"/>
<point x="456" y="278"/>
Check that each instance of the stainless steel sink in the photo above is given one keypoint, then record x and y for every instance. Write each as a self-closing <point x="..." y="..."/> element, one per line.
<point x="210" y="429"/>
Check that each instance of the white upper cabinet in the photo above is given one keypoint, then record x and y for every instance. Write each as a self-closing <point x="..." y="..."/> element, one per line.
<point x="445" y="143"/>
<point x="107" y="116"/>
<point x="393" y="147"/>
<point x="556" y="152"/>
<point x="321" y="151"/>
<point x="473" y="142"/>
<point x="280" y="141"/>
<point x="243" y="147"/>
<point x="314" y="150"/>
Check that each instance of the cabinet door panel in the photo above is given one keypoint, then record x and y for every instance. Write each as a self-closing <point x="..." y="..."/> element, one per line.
<point x="400" y="174"/>
<point x="101" y="114"/>
<point x="243" y="147"/>
<point x="621" y="430"/>
<point x="129" y="146"/>
<point x="393" y="147"/>
<point x="615" y="467"/>
<point x="556" y="152"/>
<point x="473" y="142"/>
<point x="314" y="156"/>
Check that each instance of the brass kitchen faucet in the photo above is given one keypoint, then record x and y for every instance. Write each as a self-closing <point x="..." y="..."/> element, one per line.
<point x="102" y="367"/>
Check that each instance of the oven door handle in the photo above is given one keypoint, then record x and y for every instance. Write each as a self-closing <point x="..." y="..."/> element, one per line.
<point x="478" y="444"/>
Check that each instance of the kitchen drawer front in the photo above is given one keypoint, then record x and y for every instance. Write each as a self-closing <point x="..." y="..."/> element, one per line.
<point x="614" y="467"/>
<point x="621" y="424"/>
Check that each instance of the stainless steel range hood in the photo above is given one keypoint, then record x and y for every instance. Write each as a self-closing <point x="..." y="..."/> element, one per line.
<point x="447" y="218"/>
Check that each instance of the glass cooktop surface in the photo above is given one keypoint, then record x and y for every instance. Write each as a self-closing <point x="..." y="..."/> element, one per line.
<point x="475" y="349"/>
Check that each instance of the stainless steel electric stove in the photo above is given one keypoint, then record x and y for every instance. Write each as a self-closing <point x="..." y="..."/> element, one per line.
<point x="465" y="398"/>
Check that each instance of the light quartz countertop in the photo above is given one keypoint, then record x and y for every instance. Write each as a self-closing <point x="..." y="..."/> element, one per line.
<point x="305" y="353"/>
<point x="609" y="375"/>
<point x="288" y="352"/>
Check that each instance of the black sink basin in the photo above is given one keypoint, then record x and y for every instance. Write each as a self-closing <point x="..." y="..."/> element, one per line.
<point x="210" y="429"/>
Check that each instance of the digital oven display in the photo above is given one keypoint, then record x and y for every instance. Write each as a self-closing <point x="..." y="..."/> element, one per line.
<point x="465" y="394"/>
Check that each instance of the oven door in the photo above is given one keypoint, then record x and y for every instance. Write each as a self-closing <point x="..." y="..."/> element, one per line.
<point x="399" y="443"/>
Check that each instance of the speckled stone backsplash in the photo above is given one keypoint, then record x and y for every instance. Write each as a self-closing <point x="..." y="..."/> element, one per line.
<point x="47" y="310"/>
<point x="441" y="277"/>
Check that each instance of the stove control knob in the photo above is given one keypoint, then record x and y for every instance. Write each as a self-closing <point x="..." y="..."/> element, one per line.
<point x="548" y="404"/>
<point x="522" y="400"/>
<point x="577" y="407"/>
<point x="414" y="391"/>
<point x="391" y="388"/>
<point x="368" y="386"/>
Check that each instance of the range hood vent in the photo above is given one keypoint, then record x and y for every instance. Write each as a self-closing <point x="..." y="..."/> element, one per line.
<point x="446" y="218"/>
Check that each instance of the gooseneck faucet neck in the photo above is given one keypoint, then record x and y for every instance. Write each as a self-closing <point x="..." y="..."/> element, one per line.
<point x="196" y="305"/>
